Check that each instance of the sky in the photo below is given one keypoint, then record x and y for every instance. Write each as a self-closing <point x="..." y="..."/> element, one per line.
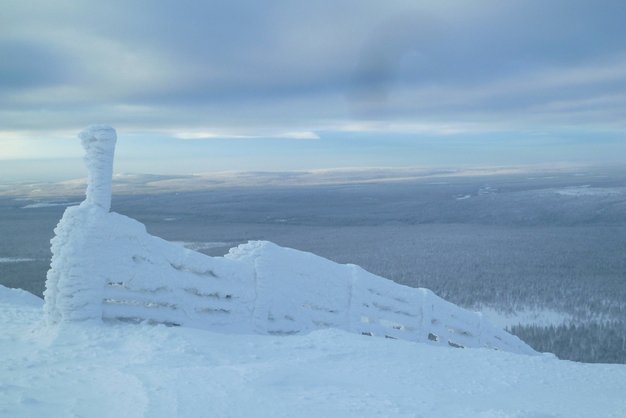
<point x="202" y="86"/>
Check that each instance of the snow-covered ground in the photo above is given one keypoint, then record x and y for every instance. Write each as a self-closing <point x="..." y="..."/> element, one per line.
<point x="15" y="259"/>
<point x="124" y="370"/>
<point x="295" y="340"/>
<point x="205" y="245"/>
<point x="587" y="190"/>
<point x="45" y="204"/>
<point x="529" y="316"/>
<point x="155" y="183"/>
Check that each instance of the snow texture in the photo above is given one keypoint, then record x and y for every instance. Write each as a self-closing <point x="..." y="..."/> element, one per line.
<point x="18" y="296"/>
<point x="105" y="266"/>
<point x="99" y="144"/>
<point x="116" y="370"/>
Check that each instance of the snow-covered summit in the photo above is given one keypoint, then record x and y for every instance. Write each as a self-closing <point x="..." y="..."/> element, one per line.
<point x="105" y="266"/>
<point x="79" y="370"/>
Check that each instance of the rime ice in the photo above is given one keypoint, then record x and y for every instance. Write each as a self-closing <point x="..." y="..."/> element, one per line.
<point x="105" y="266"/>
<point x="73" y="283"/>
<point x="99" y="144"/>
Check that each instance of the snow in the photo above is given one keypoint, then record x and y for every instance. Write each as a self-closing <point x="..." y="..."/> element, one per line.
<point x="15" y="260"/>
<point x="123" y="370"/>
<point x="105" y="266"/>
<point x="47" y="205"/>
<point x="528" y="316"/>
<point x="99" y="144"/>
<point x="133" y="325"/>
<point x="18" y="296"/>
<point x="587" y="190"/>
<point x="203" y="245"/>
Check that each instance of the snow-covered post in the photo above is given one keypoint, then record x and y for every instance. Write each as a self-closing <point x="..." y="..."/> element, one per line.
<point x="75" y="281"/>
<point x="99" y="143"/>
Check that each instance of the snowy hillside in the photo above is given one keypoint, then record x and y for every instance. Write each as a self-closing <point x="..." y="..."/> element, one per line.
<point x="118" y="370"/>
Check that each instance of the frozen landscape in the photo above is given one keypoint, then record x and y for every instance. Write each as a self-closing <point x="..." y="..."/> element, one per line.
<point x="548" y="264"/>
<point x="106" y="267"/>
<point x="330" y="208"/>
<point x="124" y="370"/>
<point x="133" y="325"/>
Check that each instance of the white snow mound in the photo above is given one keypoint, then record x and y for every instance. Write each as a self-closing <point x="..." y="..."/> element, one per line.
<point x="18" y="297"/>
<point x="121" y="371"/>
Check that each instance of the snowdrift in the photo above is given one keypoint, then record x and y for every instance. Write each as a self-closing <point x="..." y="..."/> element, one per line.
<point x="79" y="370"/>
<point x="105" y="266"/>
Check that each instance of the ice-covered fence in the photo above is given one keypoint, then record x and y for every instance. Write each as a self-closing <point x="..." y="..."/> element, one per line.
<point x="108" y="267"/>
<point x="105" y="266"/>
<point x="157" y="281"/>
<point x="298" y="291"/>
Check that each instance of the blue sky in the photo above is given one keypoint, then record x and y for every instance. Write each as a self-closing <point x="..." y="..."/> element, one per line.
<point x="200" y="86"/>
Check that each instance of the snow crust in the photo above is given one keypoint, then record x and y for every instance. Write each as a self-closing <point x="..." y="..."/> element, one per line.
<point x="19" y="296"/>
<point x="117" y="370"/>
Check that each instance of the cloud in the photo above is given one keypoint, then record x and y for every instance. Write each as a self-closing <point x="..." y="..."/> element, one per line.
<point x="226" y="135"/>
<point x="249" y="69"/>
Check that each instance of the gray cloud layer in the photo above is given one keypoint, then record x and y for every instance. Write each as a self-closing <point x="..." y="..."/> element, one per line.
<point x="267" y="68"/>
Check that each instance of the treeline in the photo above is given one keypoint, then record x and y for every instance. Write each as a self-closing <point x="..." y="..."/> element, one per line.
<point x="591" y="343"/>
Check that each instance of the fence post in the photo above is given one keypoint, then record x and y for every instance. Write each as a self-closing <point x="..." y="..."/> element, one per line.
<point x="99" y="144"/>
